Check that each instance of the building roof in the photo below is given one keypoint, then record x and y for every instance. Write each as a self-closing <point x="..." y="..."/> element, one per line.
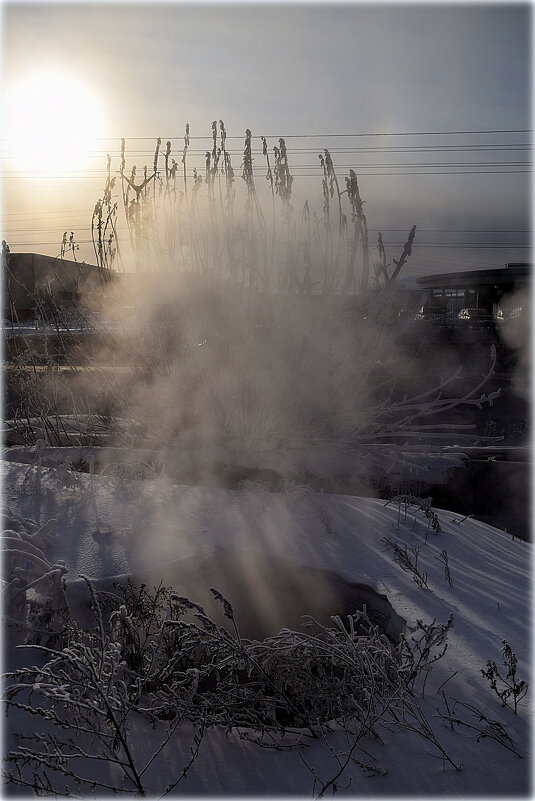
<point x="510" y="275"/>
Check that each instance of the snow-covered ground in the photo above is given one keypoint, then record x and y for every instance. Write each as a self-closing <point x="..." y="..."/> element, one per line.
<point x="112" y="525"/>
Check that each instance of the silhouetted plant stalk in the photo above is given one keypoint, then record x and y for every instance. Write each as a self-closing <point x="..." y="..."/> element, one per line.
<point x="380" y="265"/>
<point x="227" y="205"/>
<point x="256" y="268"/>
<point x="407" y="251"/>
<point x="307" y="283"/>
<point x="68" y="246"/>
<point x="184" y="160"/>
<point x="272" y="245"/>
<point x="283" y="187"/>
<point x="332" y="188"/>
<point x="326" y="224"/>
<point x="360" y="233"/>
<point x="247" y="176"/>
<point x="103" y="225"/>
<point x="172" y="230"/>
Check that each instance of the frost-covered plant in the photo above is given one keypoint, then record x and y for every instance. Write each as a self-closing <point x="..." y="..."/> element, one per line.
<point x="35" y="470"/>
<point x="33" y="587"/>
<point x="301" y="500"/>
<point x="408" y="561"/>
<point x="444" y="558"/>
<point x="506" y="684"/>
<point x="412" y="505"/>
<point x="90" y="690"/>
<point x="478" y="722"/>
<point x="423" y="647"/>
<point x="104" y="225"/>
<point x="159" y="655"/>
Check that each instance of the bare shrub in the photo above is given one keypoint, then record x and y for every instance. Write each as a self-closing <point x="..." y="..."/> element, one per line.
<point x="407" y="560"/>
<point x="412" y="505"/>
<point x="484" y="727"/>
<point x="444" y="558"/>
<point x="506" y="684"/>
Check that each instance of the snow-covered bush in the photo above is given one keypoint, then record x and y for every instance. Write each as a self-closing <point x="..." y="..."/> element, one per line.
<point x="33" y="593"/>
<point x="158" y="656"/>
<point x="87" y="689"/>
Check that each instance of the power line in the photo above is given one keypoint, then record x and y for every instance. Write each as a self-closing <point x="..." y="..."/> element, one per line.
<point x="300" y="166"/>
<point x="457" y="230"/>
<point x="318" y="174"/>
<point x="377" y="149"/>
<point x="440" y="260"/>
<point x="472" y="148"/>
<point x="330" y="135"/>
<point x="38" y="214"/>
<point x="456" y="245"/>
<point x="387" y="165"/>
<point x="65" y="215"/>
<point x="371" y="230"/>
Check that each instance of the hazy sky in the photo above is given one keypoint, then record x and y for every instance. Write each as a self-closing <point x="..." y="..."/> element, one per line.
<point x="283" y="69"/>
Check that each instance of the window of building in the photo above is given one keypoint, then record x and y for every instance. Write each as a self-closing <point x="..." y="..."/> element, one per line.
<point x="455" y="299"/>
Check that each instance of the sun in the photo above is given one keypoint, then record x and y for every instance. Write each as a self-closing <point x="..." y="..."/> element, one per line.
<point x="51" y="121"/>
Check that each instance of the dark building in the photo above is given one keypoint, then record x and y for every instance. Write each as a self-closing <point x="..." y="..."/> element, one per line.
<point x="485" y="289"/>
<point x="30" y="278"/>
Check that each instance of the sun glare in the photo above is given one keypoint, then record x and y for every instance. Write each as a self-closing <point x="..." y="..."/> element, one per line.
<point x="51" y="122"/>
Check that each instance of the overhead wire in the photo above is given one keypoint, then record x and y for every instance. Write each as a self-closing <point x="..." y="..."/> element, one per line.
<point x="260" y="170"/>
<point x="93" y="153"/>
<point x="370" y="230"/>
<point x="454" y="245"/>
<point x="329" y="135"/>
